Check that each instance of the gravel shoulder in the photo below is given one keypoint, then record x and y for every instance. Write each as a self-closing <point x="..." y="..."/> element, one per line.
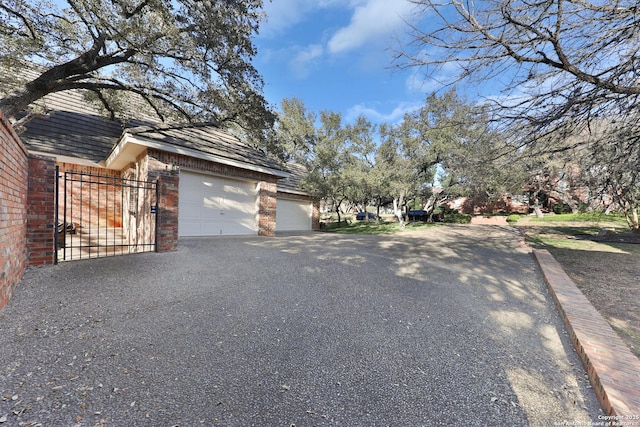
<point x="447" y="326"/>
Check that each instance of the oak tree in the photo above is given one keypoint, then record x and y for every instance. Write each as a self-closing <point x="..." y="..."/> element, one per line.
<point x="181" y="59"/>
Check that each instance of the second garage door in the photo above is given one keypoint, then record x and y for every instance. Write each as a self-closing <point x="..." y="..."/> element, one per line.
<point x="293" y="215"/>
<point x="213" y="206"/>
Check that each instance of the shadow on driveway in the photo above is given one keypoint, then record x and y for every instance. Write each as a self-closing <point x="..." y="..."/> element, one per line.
<point x="447" y="326"/>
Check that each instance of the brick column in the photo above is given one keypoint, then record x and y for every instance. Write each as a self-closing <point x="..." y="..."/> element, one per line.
<point x="267" y="192"/>
<point x="167" y="232"/>
<point x="315" y="215"/>
<point x="41" y="211"/>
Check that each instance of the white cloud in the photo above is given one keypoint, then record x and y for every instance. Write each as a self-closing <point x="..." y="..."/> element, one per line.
<point x="305" y="58"/>
<point x="393" y="117"/>
<point x="371" y="20"/>
<point x="418" y="82"/>
<point x="282" y="14"/>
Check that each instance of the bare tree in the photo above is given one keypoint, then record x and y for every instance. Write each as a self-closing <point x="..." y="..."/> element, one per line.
<point x="613" y="169"/>
<point x="562" y="58"/>
<point x="566" y="66"/>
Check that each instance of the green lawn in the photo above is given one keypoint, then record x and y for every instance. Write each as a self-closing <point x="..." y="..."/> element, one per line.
<point x="564" y="230"/>
<point x="593" y="217"/>
<point x="372" y="227"/>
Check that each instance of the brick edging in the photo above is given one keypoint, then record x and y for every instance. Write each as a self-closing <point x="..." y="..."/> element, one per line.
<point x="613" y="370"/>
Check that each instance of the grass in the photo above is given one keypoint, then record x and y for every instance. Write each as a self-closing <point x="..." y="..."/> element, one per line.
<point x="594" y="217"/>
<point x="606" y="272"/>
<point x="557" y="227"/>
<point x="372" y="227"/>
<point x="562" y="231"/>
<point x="550" y="242"/>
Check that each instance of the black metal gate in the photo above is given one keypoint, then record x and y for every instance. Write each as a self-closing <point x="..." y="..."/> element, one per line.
<point x="99" y="216"/>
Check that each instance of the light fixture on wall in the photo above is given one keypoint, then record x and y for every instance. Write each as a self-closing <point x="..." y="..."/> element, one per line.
<point x="175" y="168"/>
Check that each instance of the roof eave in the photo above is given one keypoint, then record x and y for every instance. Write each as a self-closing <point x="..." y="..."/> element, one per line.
<point x="129" y="147"/>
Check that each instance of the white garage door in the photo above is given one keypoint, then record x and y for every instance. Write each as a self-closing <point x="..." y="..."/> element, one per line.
<point x="213" y="206"/>
<point x="293" y="215"/>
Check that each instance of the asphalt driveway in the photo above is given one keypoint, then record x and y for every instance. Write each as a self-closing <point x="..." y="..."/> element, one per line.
<point x="449" y="326"/>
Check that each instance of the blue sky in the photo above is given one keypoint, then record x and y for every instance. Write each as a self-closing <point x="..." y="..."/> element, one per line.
<point x="336" y="55"/>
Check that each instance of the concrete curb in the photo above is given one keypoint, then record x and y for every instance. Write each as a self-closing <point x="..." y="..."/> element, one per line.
<point x="613" y="370"/>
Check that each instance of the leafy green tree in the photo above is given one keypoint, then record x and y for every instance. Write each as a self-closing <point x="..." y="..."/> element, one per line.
<point x="359" y="178"/>
<point x="327" y="163"/>
<point x="613" y="170"/>
<point x="400" y="170"/>
<point x="185" y="59"/>
<point x="481" y="161"/>
<point x="437" y="137"/>
<point x="295" y="130"/>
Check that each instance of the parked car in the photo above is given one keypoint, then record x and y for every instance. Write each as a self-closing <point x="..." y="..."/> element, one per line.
<point x="418" y="215"/>
<point x="361" y="216"/>
<point x="421" y="215"/>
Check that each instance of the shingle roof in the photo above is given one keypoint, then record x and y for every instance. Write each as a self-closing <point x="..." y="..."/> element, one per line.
<point x="76" y="128"/>
<point x="208" y="139"/>
<point x="293" y="183"/>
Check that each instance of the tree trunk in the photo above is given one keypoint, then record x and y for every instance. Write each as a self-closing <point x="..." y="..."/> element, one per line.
<point x="337" y="208"/>
<point x="429" y="207"/>
<point x="631" y="215"/>
<point x="538" y="211"/>
<point x="397" y="211"/>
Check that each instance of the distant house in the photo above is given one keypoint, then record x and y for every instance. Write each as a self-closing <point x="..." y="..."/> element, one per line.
<point x="225" y="187"/>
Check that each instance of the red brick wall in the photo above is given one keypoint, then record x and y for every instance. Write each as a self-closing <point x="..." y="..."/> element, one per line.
<point x="267" y="198"/>
<point x="168" y="185"/>
<point x="167" y="160"/>
<point x="41" y="210"/>
<point x="138" y="223"/>
<point x="13" y="214"/>
<point x="97" y="205"/>
<point x="315" y="216"/>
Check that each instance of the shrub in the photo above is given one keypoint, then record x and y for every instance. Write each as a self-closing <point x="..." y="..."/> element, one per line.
<point x="458" y="218"/>
<point x="513" y="218"/>
<point x="561" y="208"/>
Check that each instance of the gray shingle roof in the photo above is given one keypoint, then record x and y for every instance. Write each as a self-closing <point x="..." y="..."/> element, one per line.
<point x="74" y="128"/>
<point x="293" y="183"/>
<point x="206" y="138"/>
<point x="77" y="128"/>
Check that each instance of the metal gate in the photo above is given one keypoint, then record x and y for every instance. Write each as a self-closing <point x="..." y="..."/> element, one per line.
<point x="99" y="216"/>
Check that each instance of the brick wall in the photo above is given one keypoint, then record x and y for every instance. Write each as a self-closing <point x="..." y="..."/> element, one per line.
<point x="96" y="202"/>
<point x="166" y="160"/>
<point x="13" y="214"/>
<point x="315" y="215"/>
<point x="139" y="223"/>
<point x="267" y="198"/>
<point x="41" y="211"/>
<point x="167" y="236"/>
